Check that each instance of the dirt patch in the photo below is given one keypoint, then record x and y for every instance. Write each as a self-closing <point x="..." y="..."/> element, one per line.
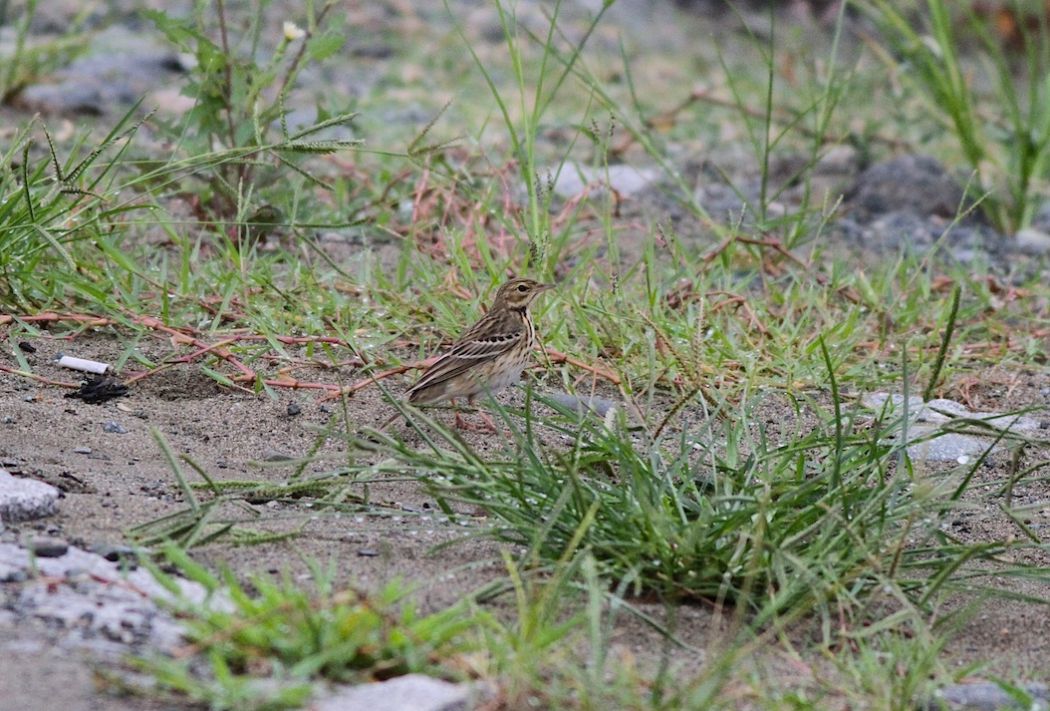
<point x="113" y="476"/>
<point x="112" y="481"/>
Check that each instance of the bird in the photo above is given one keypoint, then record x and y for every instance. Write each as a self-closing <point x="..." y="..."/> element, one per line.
<point x="488" y="356"/>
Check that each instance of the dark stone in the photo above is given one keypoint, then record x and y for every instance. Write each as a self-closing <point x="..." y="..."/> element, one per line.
<point x="913" y="184"/>
<point x="116" y="554"/>
<point x="48" y="547"/>
<point x="119" y="68"/>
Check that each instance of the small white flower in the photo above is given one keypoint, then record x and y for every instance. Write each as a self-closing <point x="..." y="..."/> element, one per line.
<point x="293" y="31"/>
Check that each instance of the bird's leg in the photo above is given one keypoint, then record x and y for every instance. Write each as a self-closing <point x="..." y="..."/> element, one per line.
<point x="461" y="424"/>
<point x="490" y="424"/>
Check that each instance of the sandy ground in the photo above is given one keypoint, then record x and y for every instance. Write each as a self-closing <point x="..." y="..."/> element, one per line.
<point x="112" y="482"/>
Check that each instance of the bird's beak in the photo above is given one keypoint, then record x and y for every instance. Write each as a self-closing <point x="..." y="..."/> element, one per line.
<point x="546" y="287"/>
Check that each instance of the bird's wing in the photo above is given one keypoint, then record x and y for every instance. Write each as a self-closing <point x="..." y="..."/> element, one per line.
<point x="485" y="341"/>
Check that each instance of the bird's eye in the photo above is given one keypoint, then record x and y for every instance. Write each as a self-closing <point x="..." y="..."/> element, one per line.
<point x="523" y="288"/>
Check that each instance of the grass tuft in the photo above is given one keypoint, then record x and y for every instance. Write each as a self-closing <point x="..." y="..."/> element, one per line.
<point x="826" y="521"/>
<point x="287" y="635"/>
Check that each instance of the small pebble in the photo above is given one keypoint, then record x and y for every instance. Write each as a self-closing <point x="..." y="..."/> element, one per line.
<point x="48" y="547"/>
<point x="26" y="347"/>
<point x="13" y="576"/>
<point x="82" y="450"/>
<point x="114" y="427"/>
<point x="294" y="409"/>
<point x="115" y="554"/>
<point x="28" y="398"/>
<point x="600" y="406"/>
<point x="367" y="553"/>
<point x="987" y="696"/>
<point x="8" y="420"/>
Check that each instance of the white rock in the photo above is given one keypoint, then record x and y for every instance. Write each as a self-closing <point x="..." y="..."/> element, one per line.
<point x="25" y="499"/>
<point x="989" y="696"/>
<point x="1033" y="240"/>
<point x="626" y="180"/>
<point x="942" y="410"/>
<point x="90" y="596"/>
<point x="926" y="436"/>
<point x="414" y="692"/>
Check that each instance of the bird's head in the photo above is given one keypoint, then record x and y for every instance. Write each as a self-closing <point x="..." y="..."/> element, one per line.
<point x="519" y="293"/>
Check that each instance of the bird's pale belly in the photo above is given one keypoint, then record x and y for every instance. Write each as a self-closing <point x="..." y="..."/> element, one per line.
<point x="498" y="382"/>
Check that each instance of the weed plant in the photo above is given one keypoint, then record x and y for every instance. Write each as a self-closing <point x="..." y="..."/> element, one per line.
<point x="290" y="635"/>
<point x="832" y="519"/>
<point x="992" y="100"/>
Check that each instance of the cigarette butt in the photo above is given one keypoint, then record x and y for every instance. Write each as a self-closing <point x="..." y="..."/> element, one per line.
<point x="88" y="366"/>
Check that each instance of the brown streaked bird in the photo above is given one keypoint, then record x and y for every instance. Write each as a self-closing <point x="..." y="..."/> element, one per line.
<point x="489" y="356"/>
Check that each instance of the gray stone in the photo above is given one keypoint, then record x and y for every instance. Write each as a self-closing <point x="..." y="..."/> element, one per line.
<point x="902" y="230"/>
<point x="25" y="499"/>
<point x="572" y="180"/>
<point x="927" y="437"/>
<point x="48" y="547"/>
<point x="910" y="183"/>
<point x="97" y="603"/>
<point x="414" y="692"/>
<point x="114" y="427"/>
<point x="932" y="445"/>
<point x="120" y="67"/>
<point x="940" y="410"/>
<point x="987" y="696"/>
<point x="1033" y="241"/>
<point x="600" y="406"/>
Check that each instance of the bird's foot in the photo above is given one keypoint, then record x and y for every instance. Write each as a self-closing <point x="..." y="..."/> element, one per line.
<point x="487" y="425"/>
